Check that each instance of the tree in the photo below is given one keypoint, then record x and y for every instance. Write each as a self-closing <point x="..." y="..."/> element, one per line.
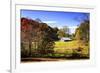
<point x="61" y="34"/>
<point x="38" y="20"/>
<point x="45" y="43"/>
<point x="27" y="32"/>
<point x="66" y="29"/>
<point x="82" y="32"/>
<point x="72" y="36"/>
<point x="77" y="34"/>
<point x="64" y="32"/>
<point x="54" y="33"/>
<point x="38" y="35"/>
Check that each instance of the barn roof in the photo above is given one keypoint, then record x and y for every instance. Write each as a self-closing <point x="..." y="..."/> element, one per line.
<point x="65" y="38"/>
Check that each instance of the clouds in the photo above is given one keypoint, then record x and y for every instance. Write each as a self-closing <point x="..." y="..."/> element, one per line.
<point x="72" y="29"/>
<point x="50" y="22"/>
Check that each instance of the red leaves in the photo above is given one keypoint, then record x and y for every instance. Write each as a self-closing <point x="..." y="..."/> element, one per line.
<point x="25" y="24"/>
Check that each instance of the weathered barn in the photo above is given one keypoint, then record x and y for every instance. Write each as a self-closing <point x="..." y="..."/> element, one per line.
<point x="64" y="39"/>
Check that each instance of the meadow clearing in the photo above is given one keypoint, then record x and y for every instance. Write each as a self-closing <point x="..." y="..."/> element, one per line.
<point x="70" y="46"/>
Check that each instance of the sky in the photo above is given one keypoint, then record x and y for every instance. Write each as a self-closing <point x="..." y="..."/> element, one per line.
<point x="57" y="18"/>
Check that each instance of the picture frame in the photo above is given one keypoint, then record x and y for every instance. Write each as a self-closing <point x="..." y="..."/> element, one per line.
<point x="17" y="66"/>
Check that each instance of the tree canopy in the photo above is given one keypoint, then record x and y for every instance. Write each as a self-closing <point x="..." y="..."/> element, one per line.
<point x="40" y="35"/>
<point x="82" y="32"/>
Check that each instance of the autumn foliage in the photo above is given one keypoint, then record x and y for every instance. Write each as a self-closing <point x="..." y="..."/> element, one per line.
<point x="36" y="37"/>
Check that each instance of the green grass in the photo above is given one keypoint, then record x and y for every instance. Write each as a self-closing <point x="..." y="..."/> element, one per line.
<point x="68" y="47"/>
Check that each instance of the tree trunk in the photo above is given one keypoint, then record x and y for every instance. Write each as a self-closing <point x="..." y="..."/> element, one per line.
<point x="30" y="48"/>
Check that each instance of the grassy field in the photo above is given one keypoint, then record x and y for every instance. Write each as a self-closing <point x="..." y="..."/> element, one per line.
<point x="68" y="47"/>
<point x="63" y="51"/>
